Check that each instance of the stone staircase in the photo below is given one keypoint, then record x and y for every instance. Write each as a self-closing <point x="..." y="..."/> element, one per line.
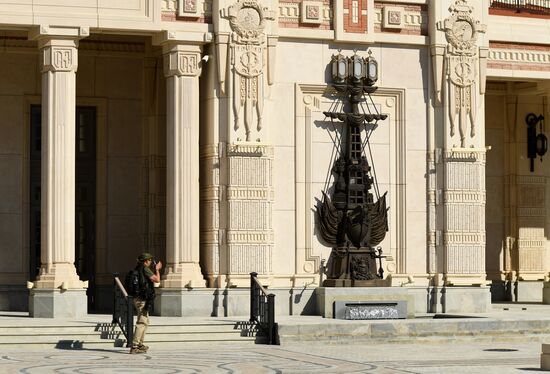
<point x="85" y="334"/>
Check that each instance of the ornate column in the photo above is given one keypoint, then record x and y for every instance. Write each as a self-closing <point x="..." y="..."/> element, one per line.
<point x="245" y="44"/>
<point x="459" y="61"/>
<point x="182" y="70"/>
<point x="58" y="291"/>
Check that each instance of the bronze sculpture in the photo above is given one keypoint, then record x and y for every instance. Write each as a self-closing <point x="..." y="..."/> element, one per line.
<point x="351" y="222"/>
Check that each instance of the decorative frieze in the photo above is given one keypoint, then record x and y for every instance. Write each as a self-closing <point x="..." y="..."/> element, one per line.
<point x="249" y="193"/>
<point x="295" y="14"/>
<point x="519" y="56"/>
<point x="408" y="19"/>
<point x="187" y="10"/>
<point x="460" y="238"/>
<point x="464" y="196"/>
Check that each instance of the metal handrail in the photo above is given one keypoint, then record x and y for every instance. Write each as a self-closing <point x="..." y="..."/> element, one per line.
<point x="262" y="310"/>
<point x="123" y="310"/>
<point x="531" y="6"/>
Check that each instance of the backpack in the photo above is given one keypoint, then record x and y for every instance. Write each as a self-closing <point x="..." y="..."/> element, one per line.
<point x="134" y="283"/>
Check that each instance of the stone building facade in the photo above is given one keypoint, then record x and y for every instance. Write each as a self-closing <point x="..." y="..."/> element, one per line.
<point x="194" y="129"/>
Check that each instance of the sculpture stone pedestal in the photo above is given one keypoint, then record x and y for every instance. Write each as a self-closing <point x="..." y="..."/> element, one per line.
<point x="357" y="283"/>
<point x="545" y="357"/>
<point x="56" y="303"/>
<point x="183" y="302"/>
<point x="326" y="296"/>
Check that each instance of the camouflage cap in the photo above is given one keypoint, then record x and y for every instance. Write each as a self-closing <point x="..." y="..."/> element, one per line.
<point x="145" y="256"/>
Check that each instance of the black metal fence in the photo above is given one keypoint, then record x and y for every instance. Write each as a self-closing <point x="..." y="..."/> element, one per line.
<point x="123" y="310"/>
<point x="262" y="310"/>
<point x="531" y="6"/>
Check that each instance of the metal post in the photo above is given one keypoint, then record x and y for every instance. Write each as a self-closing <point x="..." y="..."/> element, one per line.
<point x="271" y="317"/>
<point x="130" y="321"/>
<point x="115" y="304"/>
<point x="253" y="296"/>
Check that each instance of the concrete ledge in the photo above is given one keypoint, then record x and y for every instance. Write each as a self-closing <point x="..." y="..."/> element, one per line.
<point x="407" y="330"/>
<point x="56" y="303"/>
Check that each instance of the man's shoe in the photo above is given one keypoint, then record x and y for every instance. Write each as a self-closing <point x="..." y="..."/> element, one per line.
<point x="135" y="350"/>
<point x="144" y="348"/>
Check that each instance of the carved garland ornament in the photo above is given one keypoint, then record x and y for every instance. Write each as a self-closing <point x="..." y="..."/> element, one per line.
<point x="462" y="59"/>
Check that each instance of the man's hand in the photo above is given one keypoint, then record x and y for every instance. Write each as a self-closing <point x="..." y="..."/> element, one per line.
<point x="158" y="266"/>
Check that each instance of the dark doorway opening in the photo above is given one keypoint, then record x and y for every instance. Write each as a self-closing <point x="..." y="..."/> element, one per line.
<point x="85" y="191"/>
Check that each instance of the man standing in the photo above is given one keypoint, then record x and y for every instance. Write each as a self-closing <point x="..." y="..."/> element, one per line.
<point x="144" y="300"/>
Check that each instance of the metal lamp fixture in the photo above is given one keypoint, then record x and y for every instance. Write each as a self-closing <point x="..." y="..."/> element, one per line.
<point x="354" y="69"/>
<point x="537" y="144"/>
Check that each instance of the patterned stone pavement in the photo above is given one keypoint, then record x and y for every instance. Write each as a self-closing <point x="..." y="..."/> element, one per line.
<point x="298" y="358"/>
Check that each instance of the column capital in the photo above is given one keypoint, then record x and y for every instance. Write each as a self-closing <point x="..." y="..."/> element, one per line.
<point x="59" y="46"/>
<point x="182" y="60"/>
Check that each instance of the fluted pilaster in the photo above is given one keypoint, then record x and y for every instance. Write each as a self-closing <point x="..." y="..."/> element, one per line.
<point x="182" y="70"/>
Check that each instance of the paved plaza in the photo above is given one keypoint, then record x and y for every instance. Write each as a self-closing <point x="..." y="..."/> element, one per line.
<point x="317" y="357"/>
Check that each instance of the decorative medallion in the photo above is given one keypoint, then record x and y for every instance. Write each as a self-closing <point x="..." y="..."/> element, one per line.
<point x="250" y="63"/>
<point x="247" y="18"/>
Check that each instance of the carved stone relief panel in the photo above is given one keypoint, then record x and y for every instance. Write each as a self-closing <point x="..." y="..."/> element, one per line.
<point x="251" y="51"/>
<point x="394" y="17"/>
<point x="312" y="12"/>
<point x="464" y="69"/>
<point x="464" y="200"/>
<point x="249" y="202"/>
<point x="531" y="220"/>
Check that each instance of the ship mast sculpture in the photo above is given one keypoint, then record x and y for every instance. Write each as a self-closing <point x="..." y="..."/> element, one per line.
<point x="350" y="221"/>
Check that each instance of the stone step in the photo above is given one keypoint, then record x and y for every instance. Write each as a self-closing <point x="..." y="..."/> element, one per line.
<point x="93" y="337"/>
<point x="77" y="335"/>
<point x="390" y="331"/>
<point x="76" y="329"/>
